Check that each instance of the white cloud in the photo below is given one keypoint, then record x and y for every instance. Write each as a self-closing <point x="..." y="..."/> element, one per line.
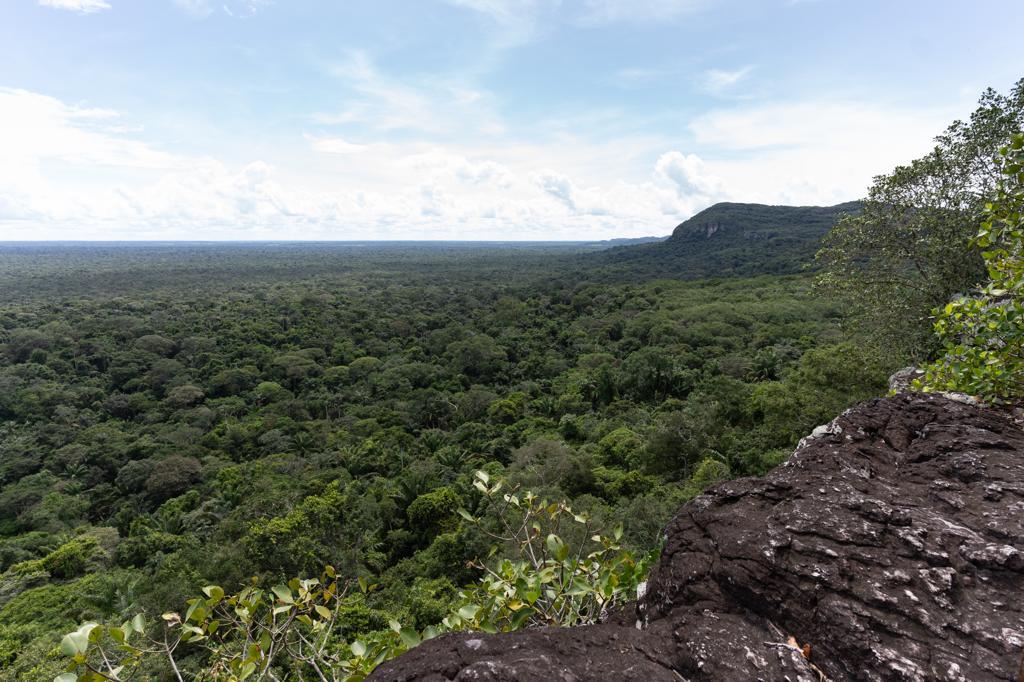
<point x="690" y="175"/>
<point x="384" y="103"/>
<point x="37" y="127"/>
<point x="199" y="8"/>
<point x="244" y="8"/>
<point x="233" y="8"/>
<point x="82" y="6"/>
<point x="519" y="21"/>
<point x="432" y="106"/>
<point x="639" y="11"/>
<point x="814" y="151"/>
<point x="635" y="77"/>
<point x="500" y="10"/>
<point x="76" y="171"/>
<point x="334" y="145"/>
<point x="720" y="81"/>
<point x="71" y="172"/>
<point x="558" y="186"/>
<point x="522" y="20"/>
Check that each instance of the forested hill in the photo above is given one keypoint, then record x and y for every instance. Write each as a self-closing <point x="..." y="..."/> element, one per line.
<point x="730" y="239"/>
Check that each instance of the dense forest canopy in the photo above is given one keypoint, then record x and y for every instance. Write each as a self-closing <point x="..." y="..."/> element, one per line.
<point x="184" y="415"/>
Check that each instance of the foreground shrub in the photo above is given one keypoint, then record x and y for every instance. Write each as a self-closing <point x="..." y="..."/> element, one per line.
<point x="983" y="336"/>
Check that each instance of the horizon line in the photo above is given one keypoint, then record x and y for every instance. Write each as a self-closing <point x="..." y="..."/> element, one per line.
<point x="4" y="242"/>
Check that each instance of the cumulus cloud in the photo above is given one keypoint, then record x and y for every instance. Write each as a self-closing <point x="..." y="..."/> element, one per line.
<point x="74" y="172"/>
<point x="690" y="176"/>
<point x="558" y="186"/>
<point x="37" y="127"/>
<point x="441" y="165"/>
<point x="81" y="6"/>
<point x="83" y="171"/>
<point x="814" y="151"/>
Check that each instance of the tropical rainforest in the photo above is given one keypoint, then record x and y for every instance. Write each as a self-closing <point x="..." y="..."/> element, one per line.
<point x="179" y="422"/>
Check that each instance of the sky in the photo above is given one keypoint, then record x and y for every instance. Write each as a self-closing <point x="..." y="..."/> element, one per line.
<point x="467" y="119"/>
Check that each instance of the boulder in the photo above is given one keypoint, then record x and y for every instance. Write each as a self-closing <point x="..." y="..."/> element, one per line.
<point x="889" y="546"/>
<point x="902" y="379"/>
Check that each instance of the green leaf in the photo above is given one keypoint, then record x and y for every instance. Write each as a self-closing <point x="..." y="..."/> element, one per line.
<point x="193" y="609"/>
<point x="213" y="592"/>
<point x="469" y="611"/>
<point x="283" y="593"/>
<point x="520" y="618"/>
<point x="557" y="547"/>
<point x="410" y="637"/>
<point x="358" y="648"/>
<point x="77" y="642"/>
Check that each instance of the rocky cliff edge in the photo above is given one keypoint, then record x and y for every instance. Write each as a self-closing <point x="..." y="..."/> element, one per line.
<point x="890" y="546"/>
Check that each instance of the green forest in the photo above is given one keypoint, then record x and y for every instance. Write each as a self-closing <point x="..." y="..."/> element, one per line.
<point x="179" y="422"/>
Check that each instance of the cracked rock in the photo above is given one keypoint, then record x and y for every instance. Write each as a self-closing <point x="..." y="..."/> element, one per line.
<point x="913" y="572"/>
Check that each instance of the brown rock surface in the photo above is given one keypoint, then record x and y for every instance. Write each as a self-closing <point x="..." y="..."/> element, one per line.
<point x="891" y="542"/>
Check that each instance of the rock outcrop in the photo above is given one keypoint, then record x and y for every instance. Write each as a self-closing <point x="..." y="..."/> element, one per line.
<point x="890" y="546"/>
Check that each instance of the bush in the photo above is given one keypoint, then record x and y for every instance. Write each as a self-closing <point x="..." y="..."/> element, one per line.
<point x="434" y="510"/>
<point x="67" y="561"/>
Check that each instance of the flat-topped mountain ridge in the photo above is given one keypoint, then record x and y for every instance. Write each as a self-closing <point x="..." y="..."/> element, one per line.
<point x="733" y="239"/>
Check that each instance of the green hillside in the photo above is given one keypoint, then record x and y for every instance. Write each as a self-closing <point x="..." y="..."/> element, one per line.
<point x="730" y="239"/>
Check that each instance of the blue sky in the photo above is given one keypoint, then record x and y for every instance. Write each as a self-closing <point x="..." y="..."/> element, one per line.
<point x="467" y="119"/>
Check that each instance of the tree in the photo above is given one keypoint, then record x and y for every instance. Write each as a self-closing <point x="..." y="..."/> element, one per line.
<point x="827" y="380"/>
<point x="903" y="253"/>
<point x="172" y="476"/>
<point x="434" y="511"/>
<point x="983" y="336"/>
<point x="479" y="357"/>
<point x="649" y="373"/>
